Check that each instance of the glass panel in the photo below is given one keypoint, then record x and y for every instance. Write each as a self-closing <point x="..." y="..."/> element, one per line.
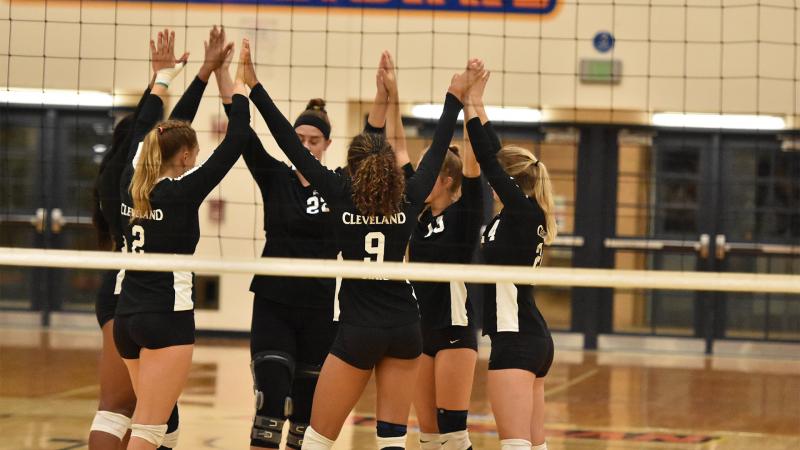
<point x="82" y="139"/>
<point x="20" y="136"/>
<point x="555" y="303"/>
<point x="761" y="192"/>
<point x="676" y="191"/>
<point x="654" y="311"/>
<point x="634" y="187"/>
<point x="78" y="287"/>
<point x="16" y="283"/>
<point x="761" y="315"/>
<point x="82" y="142"/>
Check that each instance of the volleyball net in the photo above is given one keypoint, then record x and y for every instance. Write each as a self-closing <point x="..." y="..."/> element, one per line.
<point x="670" y="131"/>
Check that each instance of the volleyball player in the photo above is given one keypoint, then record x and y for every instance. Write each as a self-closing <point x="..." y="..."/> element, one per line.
<point x="374" y="210"/>
<point x="154" y="330"/>
<point x="117" y="399"/>
<point x="292" y="325"/>
<point x="447" y="232"/>
<point x="522" y="349"/>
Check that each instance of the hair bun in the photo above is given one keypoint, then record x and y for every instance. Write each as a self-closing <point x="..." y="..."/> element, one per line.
<point x="455" y="149"/>
<point x="316" y="104"/>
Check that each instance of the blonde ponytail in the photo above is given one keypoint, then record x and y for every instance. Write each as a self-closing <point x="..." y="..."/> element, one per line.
<point x="533" y="178"/>
<point x="543" y="191"/>
<point x="148" y="169"/>
<point x="161" y="144"/>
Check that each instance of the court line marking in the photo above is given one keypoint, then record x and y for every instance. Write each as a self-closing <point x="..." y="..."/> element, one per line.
<point x="72" y="392"/>
<point x="563" y="387"/>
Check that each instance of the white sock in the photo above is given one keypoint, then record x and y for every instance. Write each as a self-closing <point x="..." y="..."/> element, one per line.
<point x="315" y="441"/>
<point x="391" y="442"/>
<point x="515" y="444"/>
<point x="430" y="441"/>
<point x="542" y="446"/>
<point x="457" y="440"/>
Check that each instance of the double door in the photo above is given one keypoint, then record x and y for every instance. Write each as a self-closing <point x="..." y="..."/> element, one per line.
<point x="708" y="202"/>
<point x="48" y="163"/>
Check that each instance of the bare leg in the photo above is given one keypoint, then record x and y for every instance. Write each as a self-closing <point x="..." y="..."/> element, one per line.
<point x="537" y="420"/>
<point x="162" y="374"/>
<point x="116" y="391"/>
<point x="455" y="370"/>
<point x="339" y="387"/>
<point x="395" y="379"/>
<point x="425" y="396"/>
<point x="511" y="396"/>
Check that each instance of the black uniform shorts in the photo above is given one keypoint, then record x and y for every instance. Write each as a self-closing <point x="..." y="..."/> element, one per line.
<point x="153" y="330"/>
<point x="304" y="333"/>
<point x="106" y="302"/>
<point x="521" y="351"/>
<point x="436" y="340"/>
<point x="364" y="347"/>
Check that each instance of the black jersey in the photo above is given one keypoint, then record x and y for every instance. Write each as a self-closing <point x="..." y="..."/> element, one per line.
<point x="109" y="179"/>
<point x="372" y="303"/>
<point x="513" y="237"/>
<point x="173" y="225"/>
<point x="296" y="225"/>
<point x="449" y="237"/>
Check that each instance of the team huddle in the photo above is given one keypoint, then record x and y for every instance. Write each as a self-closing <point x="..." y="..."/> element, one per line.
<point x="315" y="342"/>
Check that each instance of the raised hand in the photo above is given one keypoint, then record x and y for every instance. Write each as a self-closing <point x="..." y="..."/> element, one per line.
<point x="216" y="50"/>
<point x="162" y="54"/>
<point x="387" y="68"/>
<point x="162" y="51"/>
<point x="229" y="48"/>
<point x="476" y="91"/>
<point x="245" y="72"/>
<point x="461" y="83"/>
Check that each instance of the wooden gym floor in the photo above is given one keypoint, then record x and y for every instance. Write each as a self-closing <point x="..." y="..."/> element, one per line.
<point x="596" y="400"/>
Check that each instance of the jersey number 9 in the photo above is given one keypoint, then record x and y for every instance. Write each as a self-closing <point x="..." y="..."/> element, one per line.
<point x="374" y="244"/>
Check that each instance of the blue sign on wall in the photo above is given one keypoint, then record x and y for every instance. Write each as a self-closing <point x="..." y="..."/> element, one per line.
<point x="541" y="7"/>
<point x="603" y="41"/>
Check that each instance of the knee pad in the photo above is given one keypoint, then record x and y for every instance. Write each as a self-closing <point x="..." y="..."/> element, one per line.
<point x="170" y="439"/>
<point x="450" y="421"/>
<point x="295" y="438"/>
<point x="457" y="440"/>
<point x="315" y="441"/>
<point x="112" y="423"/>
<point x="391" y="435"/>
<point x="430" y="441"/>
<point x="266" y="432"/>
<point x="153" y="434"/>
<point x="274" y="371"/>
<point x="515" y="444"/>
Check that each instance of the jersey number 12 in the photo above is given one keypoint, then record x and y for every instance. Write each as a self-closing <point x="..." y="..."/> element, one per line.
<point x="138" y="239"/>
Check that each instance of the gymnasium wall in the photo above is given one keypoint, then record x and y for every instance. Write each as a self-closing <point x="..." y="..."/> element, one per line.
<point x="728" y="56"/>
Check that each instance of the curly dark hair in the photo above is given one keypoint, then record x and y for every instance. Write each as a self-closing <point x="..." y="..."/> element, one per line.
<point x="378" y="185"/>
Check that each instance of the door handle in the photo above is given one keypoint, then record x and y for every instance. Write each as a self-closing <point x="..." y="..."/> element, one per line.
<point x="57" y="220"/>
<point x="37" y="220"/>
<point x="704" y="244"/>
<point x="720" y="247"/>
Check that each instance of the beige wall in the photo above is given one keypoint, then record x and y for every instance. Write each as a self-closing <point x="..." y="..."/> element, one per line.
<point x="740" y="58"/>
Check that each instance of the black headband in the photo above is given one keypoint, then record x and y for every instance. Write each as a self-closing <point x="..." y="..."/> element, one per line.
<point x="314" y="121"/>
